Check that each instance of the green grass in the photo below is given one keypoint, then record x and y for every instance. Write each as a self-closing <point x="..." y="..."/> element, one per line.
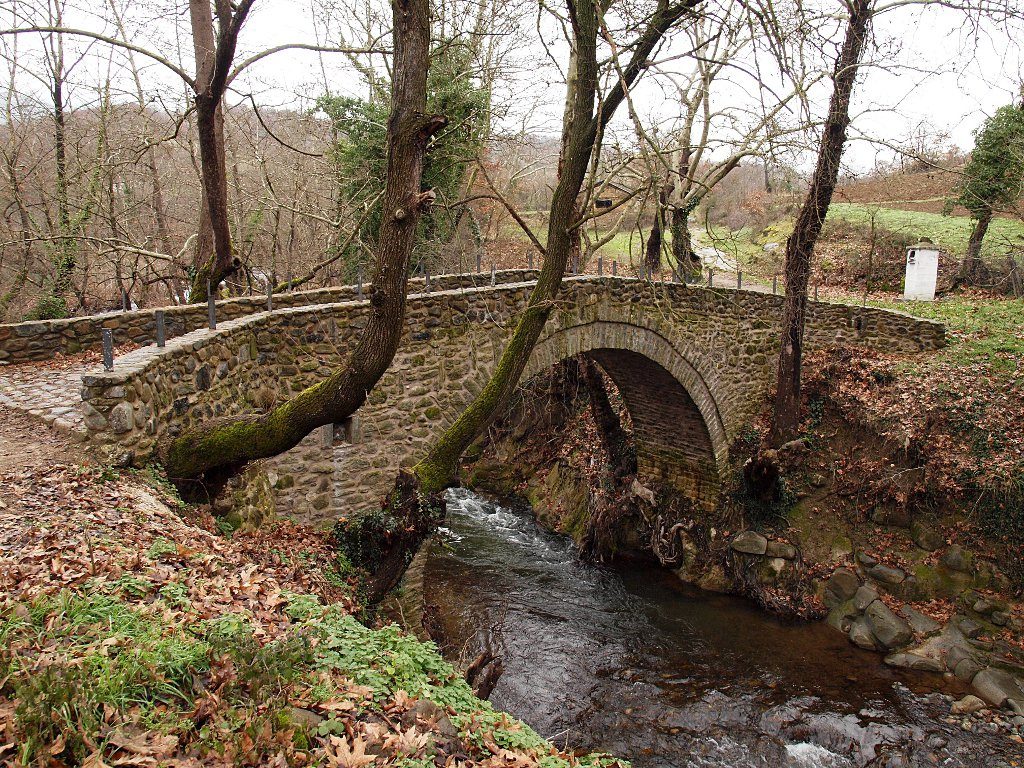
<point x="746" y="245"/>
<point x="80" y="666"/>
<point x="101" y="656"/>
<point x="979" y="330"/>
<point x="951" y="233"/>
<point x="624" y="247"/>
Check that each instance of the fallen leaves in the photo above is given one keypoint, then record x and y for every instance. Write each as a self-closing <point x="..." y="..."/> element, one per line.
<point x="343" y="755"/>
<point x="120" y="538"/>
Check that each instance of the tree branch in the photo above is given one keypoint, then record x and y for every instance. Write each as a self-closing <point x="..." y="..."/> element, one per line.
<point x="302" y="47"/>
<point x="110" y="41"/>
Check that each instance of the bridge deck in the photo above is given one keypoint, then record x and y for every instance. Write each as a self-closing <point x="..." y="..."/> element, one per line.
<point x="51" y="394"/>
<point x="52" y="390"/>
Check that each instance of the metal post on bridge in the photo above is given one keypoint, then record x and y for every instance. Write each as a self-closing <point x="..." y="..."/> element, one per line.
<point x="108" y="349"/>
<point x="615" y="268"/>
<point x="270" y="295"/>
<point x="775" y="285"/>
<point x="479" y="263"/>
<point x="529" y="257"/>
<point x="211" y="306"/>
<point x="815" y="291"/>
<point x="739" y="279"/>
<point x="359" y="281"/>
<point x="711" y="276"/>
<point x="426" y="274"/>
<point x="161" y="328"/>
<point x="600" y="265"/>
<point x="494" y="275"/>
<point x="125" y="303"/>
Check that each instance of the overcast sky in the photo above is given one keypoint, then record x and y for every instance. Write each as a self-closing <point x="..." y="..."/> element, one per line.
<point x="931" y="70"/>
<point x="943" y="77"/>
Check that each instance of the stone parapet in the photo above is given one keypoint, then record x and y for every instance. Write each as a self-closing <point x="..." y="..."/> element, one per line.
<point x="44" y="339"/>
<point x="695" y="365"/>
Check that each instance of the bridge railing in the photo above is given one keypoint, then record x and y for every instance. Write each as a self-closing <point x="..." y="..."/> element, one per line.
<point x="252" y="361"/>
<point x="45" y="339"/>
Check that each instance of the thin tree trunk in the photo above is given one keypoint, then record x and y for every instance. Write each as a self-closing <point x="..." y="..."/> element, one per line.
<point x="64" y="265"/>
<point x="204" y="45"/>
<point x="210" y="127"/>
<point x="580" y="132"/>
<point x="800" y="245"/>
<point x="21" y="277"/>
<point x="1014" y="276"/>
<point x="224" y="445"/>
<point x="157" y="194"/>
<point x="213" y="258"/>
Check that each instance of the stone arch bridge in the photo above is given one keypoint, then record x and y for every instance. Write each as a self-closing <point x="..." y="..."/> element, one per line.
<point x="694" y="366"/>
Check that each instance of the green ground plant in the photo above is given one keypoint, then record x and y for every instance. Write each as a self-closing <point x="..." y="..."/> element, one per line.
<point x="83" y="666"/>
<point x="979" y="330"/>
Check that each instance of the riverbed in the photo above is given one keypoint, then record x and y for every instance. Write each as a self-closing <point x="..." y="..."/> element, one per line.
<point x="631" y="661"/>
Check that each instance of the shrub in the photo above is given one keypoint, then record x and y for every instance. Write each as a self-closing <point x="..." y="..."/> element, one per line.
<point x="49" y="308"/>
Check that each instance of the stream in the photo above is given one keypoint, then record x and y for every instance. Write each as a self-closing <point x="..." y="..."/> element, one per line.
<point x="631" y="661"/>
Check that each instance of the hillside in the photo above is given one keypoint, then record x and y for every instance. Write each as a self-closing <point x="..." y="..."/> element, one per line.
<point x="132" y="632"/>
<point x="925" y="191"/>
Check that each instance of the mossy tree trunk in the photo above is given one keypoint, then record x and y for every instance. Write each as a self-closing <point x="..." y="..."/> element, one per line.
<point x="652" y="257"/>
<point x="687" y="261"/>
<point x="221" y="446"/>
<point x="416" y="507"/>
<point x="809" y="221"/>
<point x="972" y="270"/>
<point x="583" y="122"/>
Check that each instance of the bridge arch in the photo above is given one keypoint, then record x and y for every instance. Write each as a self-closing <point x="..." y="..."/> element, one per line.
<point x="678" y="428"/>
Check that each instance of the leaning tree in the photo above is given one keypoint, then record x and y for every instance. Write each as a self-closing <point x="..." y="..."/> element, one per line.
<point x="811" y="218"/>
<point x="992" y="180"/>
<point x="220" y="446"/>
<point x="858" y="18"/>
<point x="385" y="542"/>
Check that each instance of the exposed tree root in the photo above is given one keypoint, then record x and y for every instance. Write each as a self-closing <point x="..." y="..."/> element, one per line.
<point x="383" y="543"/>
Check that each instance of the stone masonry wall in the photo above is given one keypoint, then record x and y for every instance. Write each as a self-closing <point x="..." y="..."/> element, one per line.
<point x="717" y="347"/>
<point x="43" y="339"/>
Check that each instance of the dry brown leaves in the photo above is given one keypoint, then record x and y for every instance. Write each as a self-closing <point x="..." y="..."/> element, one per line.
<point x="963" y="421"/>
<point x="64" y="525"/>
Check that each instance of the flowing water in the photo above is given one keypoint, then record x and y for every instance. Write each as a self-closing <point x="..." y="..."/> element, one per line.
<point x="633" y="662"/>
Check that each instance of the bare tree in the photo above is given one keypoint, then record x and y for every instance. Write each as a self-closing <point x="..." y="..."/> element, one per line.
<point x="215" y="71"/>
<point x="223" y="445"/>
<point x="730" y="110"/>
<point x="858" y="18"/>
<point x="811" y="218"/>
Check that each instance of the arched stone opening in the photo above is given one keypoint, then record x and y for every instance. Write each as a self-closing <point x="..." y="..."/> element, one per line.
<point x="679" y="433"/>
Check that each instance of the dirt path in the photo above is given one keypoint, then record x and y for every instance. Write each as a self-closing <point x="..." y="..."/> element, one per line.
<point x="26" y="442"/>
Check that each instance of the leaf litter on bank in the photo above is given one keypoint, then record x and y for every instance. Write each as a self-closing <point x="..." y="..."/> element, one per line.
<point x="130" y="635"/>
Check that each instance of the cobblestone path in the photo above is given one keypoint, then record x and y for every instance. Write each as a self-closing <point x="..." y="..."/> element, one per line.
<point x="50" y="393"/>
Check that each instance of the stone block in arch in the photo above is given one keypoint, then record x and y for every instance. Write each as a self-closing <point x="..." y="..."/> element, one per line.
<point x="602" y="338"/>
